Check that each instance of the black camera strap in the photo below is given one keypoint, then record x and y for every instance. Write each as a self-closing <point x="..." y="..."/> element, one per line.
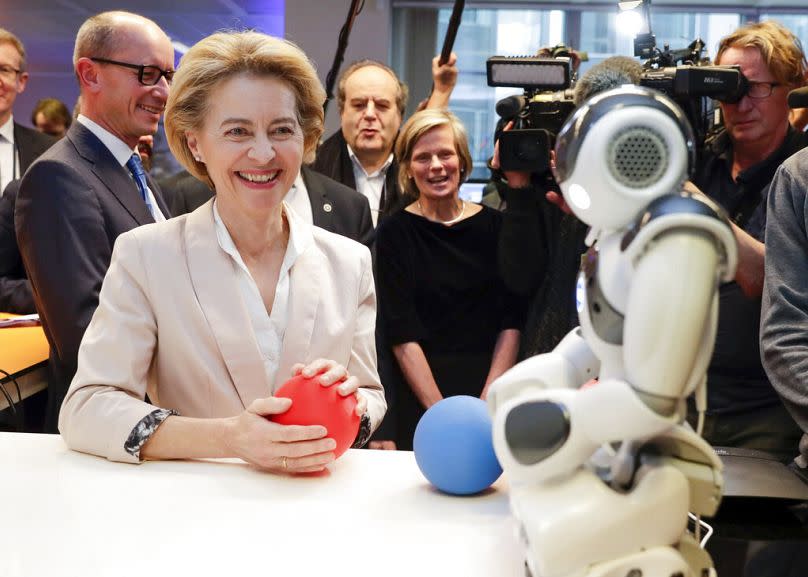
<point x="750" y="198"/>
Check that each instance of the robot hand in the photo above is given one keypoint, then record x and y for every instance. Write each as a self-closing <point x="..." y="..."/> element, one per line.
<point x="571" y="364"/>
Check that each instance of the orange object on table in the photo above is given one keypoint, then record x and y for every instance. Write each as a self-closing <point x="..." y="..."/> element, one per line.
<point x="21" y="347"/>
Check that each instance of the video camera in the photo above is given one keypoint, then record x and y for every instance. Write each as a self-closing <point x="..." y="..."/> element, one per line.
<point x="537" y="115"/>
<point x="690" y="80"/>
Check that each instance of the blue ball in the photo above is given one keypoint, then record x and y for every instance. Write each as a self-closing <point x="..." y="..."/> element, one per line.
<point x="453" y="446"/>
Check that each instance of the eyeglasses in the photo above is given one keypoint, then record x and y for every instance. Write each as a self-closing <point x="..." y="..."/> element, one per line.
<point x="8" y="73"/>
<point x="761" y="89"/>
<point x="146" y="75"/>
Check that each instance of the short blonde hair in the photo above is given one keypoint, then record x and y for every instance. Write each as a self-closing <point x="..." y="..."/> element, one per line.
<point x="224" y="55"/>
<point x="7" y="37"/>
<point x="419" y="124"/>
<point x="780" y="49"/>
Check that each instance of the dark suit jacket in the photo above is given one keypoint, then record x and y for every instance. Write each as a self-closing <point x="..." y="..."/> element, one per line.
<point x="334" y="207"/>
<point x="184" y="193"/>
<point x="73" y="203"/>
<point x="337" y="208"/>
<point x="334" y="161"/>
<point x="15" y="290"/>
<point x="30" y="144"/>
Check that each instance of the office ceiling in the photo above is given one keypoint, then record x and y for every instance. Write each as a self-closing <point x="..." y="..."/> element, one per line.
<point x="48" y="27"/>
<point x="738" y="4"/>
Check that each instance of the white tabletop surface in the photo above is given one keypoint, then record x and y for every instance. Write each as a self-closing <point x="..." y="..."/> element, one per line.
<point x="65" y="513"/>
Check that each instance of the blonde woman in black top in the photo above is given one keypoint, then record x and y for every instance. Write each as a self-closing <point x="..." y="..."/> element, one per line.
<point x="452" y="325"/>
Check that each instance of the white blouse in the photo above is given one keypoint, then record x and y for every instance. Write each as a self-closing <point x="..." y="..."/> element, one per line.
<point x="269" y="328"/>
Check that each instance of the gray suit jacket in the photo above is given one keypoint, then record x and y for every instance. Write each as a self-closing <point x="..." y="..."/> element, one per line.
<point x="73" y="203"/>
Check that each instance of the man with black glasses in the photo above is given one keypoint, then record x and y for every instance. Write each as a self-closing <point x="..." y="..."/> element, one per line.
<point x="90" y="186"/>
<point x="19" y="146"/>
<point x="736" y="169"/>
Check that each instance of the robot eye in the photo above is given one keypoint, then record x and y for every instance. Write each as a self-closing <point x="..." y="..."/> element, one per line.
<point x="535" y="430"/>
<point x="638" y="157"/>
<point x="579" y="197"/>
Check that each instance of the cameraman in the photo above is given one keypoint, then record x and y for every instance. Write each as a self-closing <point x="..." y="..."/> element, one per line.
<point x="541" y="243"/>
<point x="736" y="168"/>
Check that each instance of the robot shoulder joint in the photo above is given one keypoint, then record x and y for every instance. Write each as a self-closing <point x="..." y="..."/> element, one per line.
<point x="683" y="211"/>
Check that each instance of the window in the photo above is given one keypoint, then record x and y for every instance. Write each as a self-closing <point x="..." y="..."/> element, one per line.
<point x="419" y="33"/>
<point x="485" y="33"/>
<point x="797" y="23"/>
<point x="601" y="39"/>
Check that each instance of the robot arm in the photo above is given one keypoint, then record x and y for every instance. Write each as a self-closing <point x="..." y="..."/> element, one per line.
<point x="665" y="352"/>
<point x="570" y="364"/>
<point x="543" y="428"/>
<point x="648" y="320"/>
<point x="542" y="436"/>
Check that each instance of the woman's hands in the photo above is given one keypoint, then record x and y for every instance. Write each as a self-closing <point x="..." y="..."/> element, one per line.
<point x="280" y="448"/>
<point x="251" y="436"/>
<point x="333" y="373"/>
<point x="516" y="179"/>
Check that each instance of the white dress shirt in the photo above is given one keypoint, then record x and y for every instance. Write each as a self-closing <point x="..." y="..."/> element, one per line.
<point x="122" y="153"/>
<point x="9" y="159"/>
<point x="298" y="200"/>
<point x="269" y="328"/>
<point x="371" y="185"/>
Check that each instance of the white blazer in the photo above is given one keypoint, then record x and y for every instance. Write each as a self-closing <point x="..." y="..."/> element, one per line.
<point x="170" y="323"/>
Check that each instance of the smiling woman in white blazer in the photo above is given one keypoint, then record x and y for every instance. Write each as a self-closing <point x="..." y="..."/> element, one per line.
<point x="209" y="313"/>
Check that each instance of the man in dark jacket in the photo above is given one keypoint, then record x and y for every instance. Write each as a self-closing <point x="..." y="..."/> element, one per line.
<point x="19" y="147"/>
<point x="372" y="101"/>
<point x="736" y="169"/>
<point x="90" y="186"/>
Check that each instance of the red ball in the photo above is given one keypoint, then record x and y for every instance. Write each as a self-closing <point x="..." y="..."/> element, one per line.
<point x="314" y="404"/>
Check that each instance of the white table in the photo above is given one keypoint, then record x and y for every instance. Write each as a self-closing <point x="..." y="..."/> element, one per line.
<point x="69" y="514"/>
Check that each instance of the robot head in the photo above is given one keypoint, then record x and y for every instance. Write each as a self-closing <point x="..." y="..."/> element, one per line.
<point x="619" y="151"/>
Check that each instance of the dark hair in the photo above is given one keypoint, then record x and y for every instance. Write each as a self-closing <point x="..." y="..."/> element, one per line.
<point x="54" y="110"/>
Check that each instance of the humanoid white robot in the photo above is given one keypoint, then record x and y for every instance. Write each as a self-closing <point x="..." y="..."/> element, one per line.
<point x="603" y="475"/>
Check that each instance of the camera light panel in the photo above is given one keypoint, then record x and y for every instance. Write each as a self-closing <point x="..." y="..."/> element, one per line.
<point x="529" y="73"/>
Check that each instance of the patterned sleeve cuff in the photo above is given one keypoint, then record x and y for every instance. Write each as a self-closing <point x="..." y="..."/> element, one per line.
<point x="144" y="429"/>
<point x="364" y="432"/>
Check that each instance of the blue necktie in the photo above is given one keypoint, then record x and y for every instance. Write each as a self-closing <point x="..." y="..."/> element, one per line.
<point x="135" y="166"/>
